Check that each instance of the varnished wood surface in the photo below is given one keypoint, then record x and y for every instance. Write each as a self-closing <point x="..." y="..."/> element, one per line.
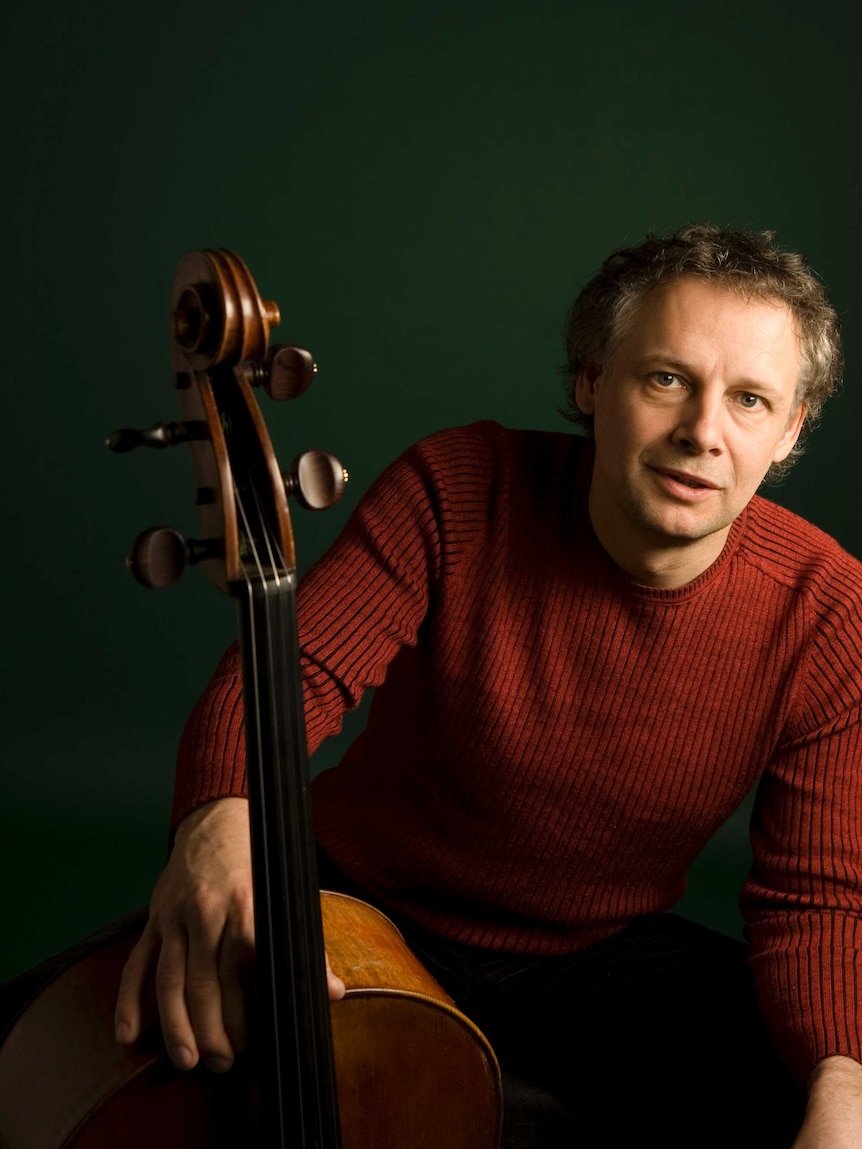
<point x="394" y="1028"/>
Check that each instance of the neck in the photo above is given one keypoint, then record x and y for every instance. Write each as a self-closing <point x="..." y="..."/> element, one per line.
<point x="654" y="560"/>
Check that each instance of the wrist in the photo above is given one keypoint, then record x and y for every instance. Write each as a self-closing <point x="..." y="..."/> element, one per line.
<point x="834" y="1107"/>
<point x="835" y="1072"/>
<point x="217" y="810"/>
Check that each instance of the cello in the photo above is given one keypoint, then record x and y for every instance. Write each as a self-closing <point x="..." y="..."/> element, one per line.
<point x="394" y="1064"/>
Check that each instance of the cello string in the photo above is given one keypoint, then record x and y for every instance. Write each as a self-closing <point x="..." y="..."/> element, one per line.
<point x="271" y="972"/>
<point x="304" y="875"/>
<point x="300" y="943"/>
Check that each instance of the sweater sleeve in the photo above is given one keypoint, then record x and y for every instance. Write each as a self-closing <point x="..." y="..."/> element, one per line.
<point x="366" y="598"/>
<point x="803" y="898"/>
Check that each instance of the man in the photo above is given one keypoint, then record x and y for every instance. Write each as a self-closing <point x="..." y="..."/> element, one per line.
<point x="587" y="651"/>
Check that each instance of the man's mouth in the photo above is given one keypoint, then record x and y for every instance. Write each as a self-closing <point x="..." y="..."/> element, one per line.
<point x="687" y="480"/>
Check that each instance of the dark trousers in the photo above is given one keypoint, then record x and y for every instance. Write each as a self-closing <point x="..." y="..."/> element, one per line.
<point x="653" y="1037"/>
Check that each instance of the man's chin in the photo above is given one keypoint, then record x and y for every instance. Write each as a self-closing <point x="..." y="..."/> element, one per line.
<point x="681" y="531"/>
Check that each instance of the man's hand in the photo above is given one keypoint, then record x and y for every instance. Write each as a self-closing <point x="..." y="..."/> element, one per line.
<point x="199" y="942"/>
<point x="833" y="1115"/>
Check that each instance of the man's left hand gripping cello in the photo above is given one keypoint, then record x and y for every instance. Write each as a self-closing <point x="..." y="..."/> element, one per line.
<point x="393" y="1065"/>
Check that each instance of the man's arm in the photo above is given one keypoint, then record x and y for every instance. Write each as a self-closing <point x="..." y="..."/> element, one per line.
<point x="360" y="603"/>
<point x="802" y="899"/>
<point x="833" y="1115"/>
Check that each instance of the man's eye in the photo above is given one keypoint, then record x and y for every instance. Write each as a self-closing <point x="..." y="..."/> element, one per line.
<point x="750" y="402"/>
<point x="666" y="379"/>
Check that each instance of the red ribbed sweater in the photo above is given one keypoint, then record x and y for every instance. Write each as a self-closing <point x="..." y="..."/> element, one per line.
<point x="552" y="744"/>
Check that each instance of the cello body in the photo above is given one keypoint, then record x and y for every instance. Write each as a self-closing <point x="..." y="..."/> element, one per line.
<point x="412" y="1072"/>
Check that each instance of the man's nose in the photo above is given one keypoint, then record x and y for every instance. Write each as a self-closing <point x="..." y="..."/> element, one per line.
<point x="700" y="425"/>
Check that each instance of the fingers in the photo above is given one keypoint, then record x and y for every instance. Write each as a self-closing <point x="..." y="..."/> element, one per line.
<point x="189" y="992"/>
<point x="202" y="979"/>
<point x="136" y="972"/>
<point x="200" y="1017"/>
<point x="236" y="966"/>
<point x="171" y="994"/>
<point x="334" y="983"/>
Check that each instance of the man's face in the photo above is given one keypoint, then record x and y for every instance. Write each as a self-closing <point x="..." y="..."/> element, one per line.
<point x="691" y="411"/>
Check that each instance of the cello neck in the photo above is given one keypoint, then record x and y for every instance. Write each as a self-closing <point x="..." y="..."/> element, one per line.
<point x="294" y="1033"/>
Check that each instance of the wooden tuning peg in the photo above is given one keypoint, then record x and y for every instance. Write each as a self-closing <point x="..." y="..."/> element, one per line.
<point x="160" y="555"/>
<point x="286" y="373"/>
<point x="317" y="479"/>
<point x="159" y="435"/>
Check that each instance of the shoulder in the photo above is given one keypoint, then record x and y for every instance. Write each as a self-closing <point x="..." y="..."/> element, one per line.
<point x="798" y="554"/>
<point x="480" y="460"/>
<point x="488" y="461"/>
<point x="487" y="443"/>
<point x="463" y="484"/>
<point x="822" y="587"/>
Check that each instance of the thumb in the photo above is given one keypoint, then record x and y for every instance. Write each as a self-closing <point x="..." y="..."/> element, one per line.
<point x="335" y="984"/>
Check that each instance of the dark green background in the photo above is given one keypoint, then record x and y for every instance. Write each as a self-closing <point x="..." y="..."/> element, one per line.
<point x="422" y="188"/>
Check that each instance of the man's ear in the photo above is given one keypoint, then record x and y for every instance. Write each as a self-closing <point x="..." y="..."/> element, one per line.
<point x="791" y="433"/>
<point x="586" y="387"/>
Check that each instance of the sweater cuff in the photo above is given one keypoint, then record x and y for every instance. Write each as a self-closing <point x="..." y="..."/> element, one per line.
<point x="808" y="972"/>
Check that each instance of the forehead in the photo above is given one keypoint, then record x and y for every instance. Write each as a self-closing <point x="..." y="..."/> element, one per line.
<point x="714" y="326"/>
